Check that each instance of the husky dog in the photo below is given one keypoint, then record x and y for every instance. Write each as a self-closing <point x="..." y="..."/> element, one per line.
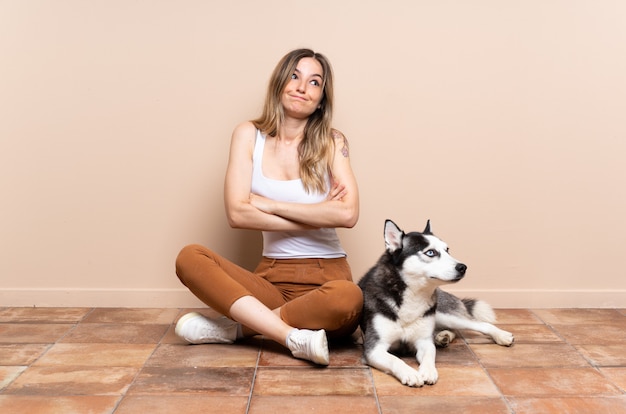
<point x="403" y="306"/>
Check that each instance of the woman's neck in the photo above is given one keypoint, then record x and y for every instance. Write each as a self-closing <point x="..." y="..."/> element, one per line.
<point x="290" y="132"/>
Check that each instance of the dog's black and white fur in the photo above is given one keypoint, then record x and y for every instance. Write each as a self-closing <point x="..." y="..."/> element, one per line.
<point x="403" y="305"/>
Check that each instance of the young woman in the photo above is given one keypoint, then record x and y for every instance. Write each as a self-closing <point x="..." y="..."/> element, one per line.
<point x="289" y="176"/>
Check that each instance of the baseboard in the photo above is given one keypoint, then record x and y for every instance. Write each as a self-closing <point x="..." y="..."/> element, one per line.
<point x="182" y="298"/>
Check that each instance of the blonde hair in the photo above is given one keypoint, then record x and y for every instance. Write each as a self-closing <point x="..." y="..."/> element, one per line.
<point x="316" y="148"/>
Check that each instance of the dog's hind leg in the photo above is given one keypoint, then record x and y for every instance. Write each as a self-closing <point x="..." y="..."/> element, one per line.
<point x="444" y="338"/>
<point x="499" y="336"/>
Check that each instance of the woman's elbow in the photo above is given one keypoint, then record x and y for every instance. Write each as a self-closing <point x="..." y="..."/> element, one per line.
<point x="234" y="219"/>
<point x="236" y="214"/>
<point x="350" y="218"/>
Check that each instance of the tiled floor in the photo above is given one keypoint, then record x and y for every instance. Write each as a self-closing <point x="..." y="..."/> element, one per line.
<point x="105" y="360"/>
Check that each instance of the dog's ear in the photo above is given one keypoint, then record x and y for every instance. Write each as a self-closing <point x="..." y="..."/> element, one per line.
<point x="427" y="229"/>
<point x="393" y="236"/>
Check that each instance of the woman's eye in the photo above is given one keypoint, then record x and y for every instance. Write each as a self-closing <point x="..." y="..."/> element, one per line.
<point x="315" y="83"/>
<point x="294" y="76"/>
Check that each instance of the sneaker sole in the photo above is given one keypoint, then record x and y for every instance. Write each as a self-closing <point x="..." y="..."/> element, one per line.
<point x="182" y="321"/>
<point x="323" y="343"/>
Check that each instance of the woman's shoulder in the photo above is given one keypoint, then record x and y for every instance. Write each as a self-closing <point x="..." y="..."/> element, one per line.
<point x="337" y="135"/>
<point x="245" y="128"/>
<point x="244" y="132"/>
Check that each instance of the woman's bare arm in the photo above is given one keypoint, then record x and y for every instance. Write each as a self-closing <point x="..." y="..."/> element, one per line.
<point x="341" y="207"/>
<point x="237" y="184"/>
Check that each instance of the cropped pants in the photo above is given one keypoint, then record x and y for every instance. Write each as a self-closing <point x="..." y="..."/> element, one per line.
<point x="311" y="293"/>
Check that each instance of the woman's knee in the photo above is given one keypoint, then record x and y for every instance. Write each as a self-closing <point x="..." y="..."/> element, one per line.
<point x="348" y="306"/>
<point x="187" y="260"/>
<point x="347" y="297"/>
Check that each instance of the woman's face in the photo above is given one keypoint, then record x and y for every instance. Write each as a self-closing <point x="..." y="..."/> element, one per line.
<point x="304" y="91"/>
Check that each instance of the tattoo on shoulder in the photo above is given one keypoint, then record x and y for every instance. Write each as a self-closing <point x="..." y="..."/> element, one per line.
<point x="344" y="149"/>
<point x="344" y="142"/>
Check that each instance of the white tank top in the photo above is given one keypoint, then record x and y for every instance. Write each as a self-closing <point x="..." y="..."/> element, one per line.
<point x="320" y="243"/>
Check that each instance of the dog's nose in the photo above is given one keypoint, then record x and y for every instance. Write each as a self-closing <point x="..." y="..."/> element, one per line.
<point x="461" y="268"/>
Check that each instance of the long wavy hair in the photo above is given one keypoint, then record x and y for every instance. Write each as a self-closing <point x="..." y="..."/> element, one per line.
<point x="316" y="148"/>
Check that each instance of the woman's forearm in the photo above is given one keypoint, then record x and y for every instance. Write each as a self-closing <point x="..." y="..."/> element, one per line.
<point x="328" y="213"/>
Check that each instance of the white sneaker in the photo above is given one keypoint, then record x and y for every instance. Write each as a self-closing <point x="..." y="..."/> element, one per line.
<point x="197" y="329"/>
<point x="309" y="345"/>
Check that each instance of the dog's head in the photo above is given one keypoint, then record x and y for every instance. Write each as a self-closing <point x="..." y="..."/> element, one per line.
<point x="422" y="255"/>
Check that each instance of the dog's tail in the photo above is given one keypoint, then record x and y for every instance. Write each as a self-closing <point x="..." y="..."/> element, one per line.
<point x="480" y="310"/>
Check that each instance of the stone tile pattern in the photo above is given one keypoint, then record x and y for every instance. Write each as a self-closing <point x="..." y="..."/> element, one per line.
<point x="124" y="360"/>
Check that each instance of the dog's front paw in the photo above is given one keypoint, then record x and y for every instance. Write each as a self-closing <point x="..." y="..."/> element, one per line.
<point x="428" y="375"/>
<point x="503" y="338"/>
<point x="409" y="376"/>
<point x="444" y="338"/>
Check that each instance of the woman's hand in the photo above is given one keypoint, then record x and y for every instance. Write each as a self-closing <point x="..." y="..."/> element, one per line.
<point x="337" y="192"/>
<point x="262" y="203"/>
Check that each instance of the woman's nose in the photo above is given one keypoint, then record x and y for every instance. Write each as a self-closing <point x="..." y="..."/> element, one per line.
<point x="301" y="86"/>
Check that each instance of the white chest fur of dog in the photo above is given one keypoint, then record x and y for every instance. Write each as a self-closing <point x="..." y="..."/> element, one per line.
<point x="412" y="328"/>
<point x="403" y="305"/>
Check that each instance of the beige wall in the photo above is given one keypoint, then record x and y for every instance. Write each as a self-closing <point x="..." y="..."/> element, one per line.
<point x="501" y="121"/>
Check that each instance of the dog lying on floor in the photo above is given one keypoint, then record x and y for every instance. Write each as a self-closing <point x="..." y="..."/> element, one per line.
<point x="403" y="306"/>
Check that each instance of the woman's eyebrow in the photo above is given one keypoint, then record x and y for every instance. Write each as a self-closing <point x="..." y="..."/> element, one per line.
<point x="315" y="74"/>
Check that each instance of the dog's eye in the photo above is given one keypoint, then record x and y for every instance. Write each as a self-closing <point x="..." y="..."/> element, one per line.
<point x="430" y="253"/>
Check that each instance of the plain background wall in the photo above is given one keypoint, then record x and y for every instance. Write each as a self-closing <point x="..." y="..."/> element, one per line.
<point x="501" y="121"/>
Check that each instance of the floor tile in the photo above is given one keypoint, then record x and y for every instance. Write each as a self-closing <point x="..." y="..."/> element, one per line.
<point x="341" y="355"/>
<point x="346" y="354"/>
<point x="516" y="316"/>
<point x="457" y="353"/>
<point x="9" y="374"/>
<point x="37" y="404"/>
<point x="43" y="315"/>
<point x="314" y="404"/>
<point x="152" y="316"/>
<point x="275" y="355"/>
<point x="200" y="380"/>
<point x="604" y="355"/>
<point x="96" y="355"/>
<point x="548" y="382"/>
<point x="187" y="404"/>
<point x="598" y="334"/>
<point x="21" y="354"/>
<point x="453" y="380"/>
<point x="170" y="337"/>
<point x="66" y="381"/>
<point x="443" y="404"/>
<point x="578" y="316"/>
<point x="33" y="333"/>
<point x="313" y="381"/>
<point x="617" y="375"/>
<point x="529" y="356"/>
<point x="569" y="405"/>
<point x="214" y="355"/>
<point x="116" y="333"/>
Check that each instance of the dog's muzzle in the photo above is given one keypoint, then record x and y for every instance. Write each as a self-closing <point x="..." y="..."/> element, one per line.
<point x="460" y="268"/>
